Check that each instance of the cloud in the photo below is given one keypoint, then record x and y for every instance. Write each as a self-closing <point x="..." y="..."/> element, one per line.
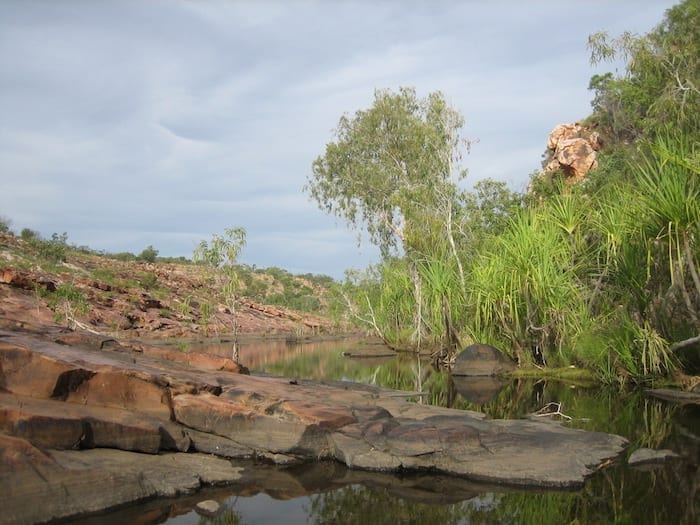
<point x="133" y="123"/>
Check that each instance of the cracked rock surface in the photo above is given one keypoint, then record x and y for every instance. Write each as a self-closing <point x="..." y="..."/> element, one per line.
<point x="92" y="424"/>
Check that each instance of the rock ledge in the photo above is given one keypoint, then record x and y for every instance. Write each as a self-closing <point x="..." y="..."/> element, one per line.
<point x="86" y="426"/>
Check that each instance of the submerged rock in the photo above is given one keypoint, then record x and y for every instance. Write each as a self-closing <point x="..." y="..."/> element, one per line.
<point x="645" y="456"/>
<point x="208" y="507"/>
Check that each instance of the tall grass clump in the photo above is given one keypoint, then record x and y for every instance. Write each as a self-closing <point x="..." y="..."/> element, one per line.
<point x="668" y="179"/>
<point x="524" y="288"/>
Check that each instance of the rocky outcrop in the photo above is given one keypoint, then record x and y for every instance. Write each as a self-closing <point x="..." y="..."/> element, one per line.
<point x="88" y="424"/>
<point x="134" y="299"/>
<point x="572" y="149"/>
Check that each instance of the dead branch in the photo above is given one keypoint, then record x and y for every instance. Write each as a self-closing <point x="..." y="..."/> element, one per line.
<point x="547" y="410"/>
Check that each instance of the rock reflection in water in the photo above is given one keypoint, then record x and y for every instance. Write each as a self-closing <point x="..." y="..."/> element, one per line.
<point x="666" y="493"/>
<point x="312" y="490"/>
<point x="479" y="390"/>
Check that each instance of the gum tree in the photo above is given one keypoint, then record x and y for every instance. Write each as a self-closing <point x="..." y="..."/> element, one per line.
<point x="220" y="255"/>
<point x="393" y="169"/>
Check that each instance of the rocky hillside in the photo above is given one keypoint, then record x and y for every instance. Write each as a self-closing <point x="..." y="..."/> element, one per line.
<point x="145" y="299"/>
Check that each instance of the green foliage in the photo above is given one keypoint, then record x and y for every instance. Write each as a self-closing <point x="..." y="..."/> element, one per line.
<point x="486" y="210"/>
<point x="123" y="256"/>
<point x="524" y="287"/>
<point x="302" y="302"/>
<point x="390" y="167"/>
<point x="148" y="280"/>
<point x="602" y="274"/>
<point x="660" y="87"/>
<point x="149" y="254"/>
<point x="205" y="316"/>
<point x="5" y="224"/>
<point x="67" y="300"/>
<point x="219" y="256"/>
<point x="104" y="274"/>
<point x="53" y="250"/>
<point x="29" y="234"/>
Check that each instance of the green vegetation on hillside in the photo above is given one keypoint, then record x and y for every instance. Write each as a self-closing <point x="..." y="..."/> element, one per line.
<point x="188" y="291"/>
<point x="602" y="274"/>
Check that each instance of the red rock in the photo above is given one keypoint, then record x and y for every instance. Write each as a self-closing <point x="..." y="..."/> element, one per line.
<point x="60" y="425"/>
<point x="28" y="373"/>
<point x="123" y="389"/>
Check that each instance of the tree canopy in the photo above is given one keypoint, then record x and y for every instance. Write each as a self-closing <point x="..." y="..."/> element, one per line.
<point x="390" y="166"/>
<point x="661" y="84"/>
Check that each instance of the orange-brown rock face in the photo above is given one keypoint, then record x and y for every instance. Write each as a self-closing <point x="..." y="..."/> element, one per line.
<point x="572" y="149"/>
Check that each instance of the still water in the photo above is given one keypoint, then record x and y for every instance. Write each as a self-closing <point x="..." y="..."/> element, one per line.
<point x="328" y="493"/>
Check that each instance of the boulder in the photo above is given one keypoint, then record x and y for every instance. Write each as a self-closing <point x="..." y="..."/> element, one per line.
<point x="481" y="360"/>
<point x="576" y="157"/>
<point x="572" y="149"/>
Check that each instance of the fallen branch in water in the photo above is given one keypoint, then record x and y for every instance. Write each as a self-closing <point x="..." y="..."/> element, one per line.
<point x="547" y="411"/>
<point x="686" y="342"/>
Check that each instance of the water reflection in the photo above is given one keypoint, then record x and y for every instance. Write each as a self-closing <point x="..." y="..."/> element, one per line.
<point x="328" y="492"/>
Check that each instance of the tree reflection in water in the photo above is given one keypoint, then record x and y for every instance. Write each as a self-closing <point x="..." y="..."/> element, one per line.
<point x="665" y="494"/>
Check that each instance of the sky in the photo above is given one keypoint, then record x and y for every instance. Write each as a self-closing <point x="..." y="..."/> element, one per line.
<point x="162" y="122"/>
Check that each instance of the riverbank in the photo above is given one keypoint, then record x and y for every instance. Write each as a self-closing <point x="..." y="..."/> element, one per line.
<point x="131" y="422"/>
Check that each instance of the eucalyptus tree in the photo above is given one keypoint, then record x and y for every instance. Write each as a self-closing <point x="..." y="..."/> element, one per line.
<point x="220" y="256"/>
<point x="660" y="86"/>
<point x="393" y="169"/>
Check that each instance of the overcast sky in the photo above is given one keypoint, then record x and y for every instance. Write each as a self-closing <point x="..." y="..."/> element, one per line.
<point x="161" y="122"/>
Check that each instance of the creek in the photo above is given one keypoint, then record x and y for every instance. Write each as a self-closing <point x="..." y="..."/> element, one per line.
<point x="666" y="493"/>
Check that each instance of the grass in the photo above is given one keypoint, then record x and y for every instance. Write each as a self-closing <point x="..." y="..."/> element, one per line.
<point x="583" y="376"/>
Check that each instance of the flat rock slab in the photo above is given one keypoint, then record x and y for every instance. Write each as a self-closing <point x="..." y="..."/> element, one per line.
<point x="677" y="396"/>
<point x="100" y="403"/>
<point x="66" y="483"/>
<point x="645" y="456"/>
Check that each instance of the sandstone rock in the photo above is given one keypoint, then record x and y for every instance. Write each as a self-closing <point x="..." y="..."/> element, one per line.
<point x="576" y="157"/>
<point x="481" y="360"/>
<point x="208" y="507"/>
<point x="218" y="445"/>
<point x="88" y="396"/>
<point x="277" y="425"/>
<point x="128" y="309"/>
<point x="677" y="396"/>
<point x="572" y="149"/>
<point x="59" y="425"/>
<point x="74" y="483"/>
<point x="562" y="132"/>
<point x="27" y="280"/>
<point x="644" y="456"/>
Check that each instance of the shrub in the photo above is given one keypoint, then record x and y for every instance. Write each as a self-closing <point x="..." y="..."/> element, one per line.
<point x="28" y="234"/>
<point x="5" y="225"/>
<point x="149" y="254"/>
<point x="53" y="250"/>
